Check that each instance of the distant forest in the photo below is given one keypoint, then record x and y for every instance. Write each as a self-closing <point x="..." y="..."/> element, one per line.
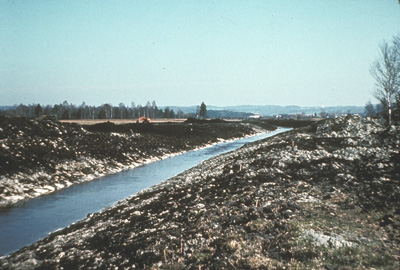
<point x="65" y="111"/>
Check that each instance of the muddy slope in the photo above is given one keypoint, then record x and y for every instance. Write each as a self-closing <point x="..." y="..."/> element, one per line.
<point x="40" y="157"/>
<point x="330" y="202"/>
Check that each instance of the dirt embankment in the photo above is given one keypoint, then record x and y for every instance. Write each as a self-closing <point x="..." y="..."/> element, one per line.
<point x="290" y="122"/>
<point x="40" y="157"/>
<point x="330" y="202"/>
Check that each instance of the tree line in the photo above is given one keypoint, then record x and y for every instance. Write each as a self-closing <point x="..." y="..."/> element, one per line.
<point x="386" y="72"/>
<point x="65" y="111"/>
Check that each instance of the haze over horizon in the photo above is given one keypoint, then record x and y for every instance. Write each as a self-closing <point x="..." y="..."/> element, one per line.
<point x="225" y="53"/>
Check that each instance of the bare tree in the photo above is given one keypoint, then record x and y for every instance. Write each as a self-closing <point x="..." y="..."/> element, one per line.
<point x="154" y="108"/>
<point x="396" y="47"/>
<point x="83" y="110"/>
<point x="148" y="109"/>
<point x="369" y="109"/>
<point x="386" y="72"/>
<point x="122" y="110"/>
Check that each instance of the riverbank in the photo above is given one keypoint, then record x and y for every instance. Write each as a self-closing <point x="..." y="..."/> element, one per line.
<point x="331" y="200"/>
<point x="38" y="158"/>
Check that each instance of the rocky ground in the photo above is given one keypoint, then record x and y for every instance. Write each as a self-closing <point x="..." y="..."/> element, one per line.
<point x="321" y="197"/>
<point x="39" y="157"/>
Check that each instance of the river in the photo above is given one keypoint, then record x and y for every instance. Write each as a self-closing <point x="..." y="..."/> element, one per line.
<point x="34" y="219"/>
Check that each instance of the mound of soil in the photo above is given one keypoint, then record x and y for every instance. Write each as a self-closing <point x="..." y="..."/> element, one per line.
<point x="203" y="121"/>
<point x="322" y="197"/>
<point x="121" y="128"/>
<point x="293" y="123"/>
<point x="38" y="157"/>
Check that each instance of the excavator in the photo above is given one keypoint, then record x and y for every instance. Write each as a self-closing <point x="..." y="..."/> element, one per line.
<point x="143" y="120"/>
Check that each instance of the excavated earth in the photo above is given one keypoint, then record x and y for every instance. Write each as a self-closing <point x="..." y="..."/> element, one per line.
<point x="39" y="157"/>
<point x="320" y="197"/>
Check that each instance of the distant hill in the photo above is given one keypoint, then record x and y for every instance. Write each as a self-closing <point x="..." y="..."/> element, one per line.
<point x="269" y="110"/>
<point x="227" y="114"/>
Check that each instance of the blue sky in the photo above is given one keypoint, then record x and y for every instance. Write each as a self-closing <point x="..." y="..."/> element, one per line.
<point x="305" y="53"/>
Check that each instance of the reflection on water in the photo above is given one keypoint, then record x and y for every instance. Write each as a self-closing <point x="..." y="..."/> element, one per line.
<point x="34" y="219"/>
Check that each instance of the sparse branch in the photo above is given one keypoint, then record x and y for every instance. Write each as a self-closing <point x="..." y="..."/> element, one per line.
<point x="386" y="72"/>
<point x="396" y="47"/>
